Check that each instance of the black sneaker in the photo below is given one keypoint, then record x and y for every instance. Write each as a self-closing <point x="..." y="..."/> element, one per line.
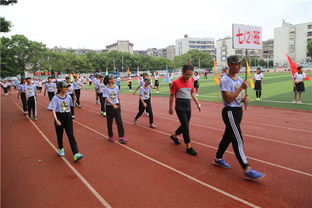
<point x="191" y="151"/>
<point x="175" y="140"/>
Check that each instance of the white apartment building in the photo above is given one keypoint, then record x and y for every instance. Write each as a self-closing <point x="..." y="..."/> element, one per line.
<point x="225" y="49"/>
<point x="292" y="40"/>
<point x="122" y="46"/>
<point x="185" y="44"/>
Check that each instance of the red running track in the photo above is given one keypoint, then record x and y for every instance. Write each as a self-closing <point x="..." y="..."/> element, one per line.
<point x="150" y="171"/>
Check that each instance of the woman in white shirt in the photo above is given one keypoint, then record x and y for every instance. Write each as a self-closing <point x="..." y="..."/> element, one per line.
<point x="299" y="78"/>
<point x="258" y="77"/>
<point x="196" y="83"/>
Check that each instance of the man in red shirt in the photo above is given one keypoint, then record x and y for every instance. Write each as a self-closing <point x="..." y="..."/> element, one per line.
<point x="182" y="89"/>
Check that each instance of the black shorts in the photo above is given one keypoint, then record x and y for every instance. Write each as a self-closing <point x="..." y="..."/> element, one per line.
<point x="196" y="84"/>
<point x="299" y="87"/>
<point x="156" y="83"/>
<point x="258" y="85"/>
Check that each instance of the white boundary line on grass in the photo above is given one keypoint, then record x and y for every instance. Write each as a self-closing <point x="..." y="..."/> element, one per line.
<point x="176" y="171"/>
<point x="84" y="181"/>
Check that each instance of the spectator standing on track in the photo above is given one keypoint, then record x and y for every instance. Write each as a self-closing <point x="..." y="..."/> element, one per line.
<point x="60" y="107"/>
<point x="5" y="87"/>
<point x="96" y="79"/>
<point x="145" y="102"/>
<point x="70" y="91"/>
<point x="258" y="77"/>
<point x="100" y="86"/>
<point x="299" y="78"/>
<point x="183" y="90"/>
<point x="77" y="85"/>
<point x="22" y="94"/>
<point x="111" y="93"/>
<point x="196" y="83"/>
<point x="50" y="88"/>
<point x="30" y="91"/>
<point x="232" y="87"/>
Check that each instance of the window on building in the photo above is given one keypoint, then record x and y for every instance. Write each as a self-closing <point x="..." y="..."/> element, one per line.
<point x="309" y="26"/>
<point x="309" y="34"/>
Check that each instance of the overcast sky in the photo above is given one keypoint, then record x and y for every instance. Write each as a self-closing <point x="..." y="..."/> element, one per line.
<point x="93" y="24"/>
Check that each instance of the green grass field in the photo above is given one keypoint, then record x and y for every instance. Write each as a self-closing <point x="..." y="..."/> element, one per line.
<point x="277" y="91"/>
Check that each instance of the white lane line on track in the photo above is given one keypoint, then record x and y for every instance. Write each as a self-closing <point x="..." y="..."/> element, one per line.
<point x="84" y="181"/>
<point x="259" y="160"/>
<point x="175" y="170"/>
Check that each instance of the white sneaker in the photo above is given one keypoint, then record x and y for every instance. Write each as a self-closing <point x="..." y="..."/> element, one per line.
<point x="294" y="101"/>
<point x="299" y="102"/>
<point x="147" y="114"/>
<point x="61" y="152"/>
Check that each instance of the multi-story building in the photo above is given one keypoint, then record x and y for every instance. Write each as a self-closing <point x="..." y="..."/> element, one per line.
<point x="140" y="52"/>
<point x="76" y="51"/>
<point x="167" y="52"/>
<point x="152" y="52"/>
<point x="267" y="52"/>
<point x="292" y="40"/>
<point x="122" y="46"/>
<point x="225" y="49"/>
<point x="204" y="44"/>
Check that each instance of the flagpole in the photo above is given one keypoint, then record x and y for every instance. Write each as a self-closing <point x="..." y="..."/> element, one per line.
<point x="246" y="95"/>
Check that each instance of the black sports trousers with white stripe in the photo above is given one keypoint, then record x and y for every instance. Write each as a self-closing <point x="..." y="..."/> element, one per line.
<point x="232" y="117"/>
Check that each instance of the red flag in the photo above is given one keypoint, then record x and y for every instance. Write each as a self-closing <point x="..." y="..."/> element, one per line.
<point x="293" y="67"/>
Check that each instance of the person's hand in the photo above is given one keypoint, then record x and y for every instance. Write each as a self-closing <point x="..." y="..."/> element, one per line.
<point x="244" y="85"/>
<point x="246" y="99"/>
<point x="199" y="107"/>
<point x="145" y="105"/>
<point x="58" y="122"/>
<point x="170" y="111"/>
<point x="115" y="106"/>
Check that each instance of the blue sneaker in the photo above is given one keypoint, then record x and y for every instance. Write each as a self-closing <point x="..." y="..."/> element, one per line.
<point x="61" y="152"/>
<point x="221" y="163"/>
<point x="78" y="157"/>
<point x="252" y="174"/>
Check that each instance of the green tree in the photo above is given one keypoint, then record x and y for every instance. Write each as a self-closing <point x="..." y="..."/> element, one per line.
<point x="5" y="25"/>
<point x="7" y="2"/>
<point x="19" y="54"/>
<point x="198" y="58"/>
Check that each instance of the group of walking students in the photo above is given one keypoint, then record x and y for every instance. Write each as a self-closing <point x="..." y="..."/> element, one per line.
<point x="182" y="91"/>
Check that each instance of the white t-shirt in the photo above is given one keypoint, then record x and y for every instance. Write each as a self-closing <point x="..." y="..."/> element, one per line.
<point x="258" y="76"/>
<point x="299" y="77"/>
<point x="196" y="78"/>
<point x="170" y="79"/>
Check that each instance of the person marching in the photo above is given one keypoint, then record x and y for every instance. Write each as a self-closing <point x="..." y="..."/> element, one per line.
<point x="299" y="78"/>
<point x="100" y="86"/>
<point x="258" y="82"/>
<point x="77" y="86"/>
<point x="129" y="82"/>
<point x="96" y="79"/>
<point x="232" y="87"/>
<point x="183" y="90"/>
<point x="156" y="77"/>
<point x="224" y="71"/>
<point x="196" y="83"/>
<point x="70" y="91"/>
<point x="30" y="91"/>
<point x="5" y="87"/>
<point x="145" y="102"/>
<point x="50" y="88"/>
<point x="111" y="93"/>
<point x="60" y="107"/>
<point x="22" y="94"/>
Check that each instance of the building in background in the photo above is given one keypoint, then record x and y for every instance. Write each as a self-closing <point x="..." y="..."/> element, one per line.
<point x="267" y="52"/>
<point x="122" y="46"/>
<point x="204" y="44"/>
<point x="79" y="51"/>
<point x="292" y="40"/>
<point x="140" y="52"/>
<point x="225" y="48"/>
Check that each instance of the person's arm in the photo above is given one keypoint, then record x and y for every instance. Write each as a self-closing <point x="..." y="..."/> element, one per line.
<point x="18" y="94"/>
<point x="110" y="102"/>
<point x="45" y="90"/>
<point x="196" y="101"/>
<point x="141" y="98"/>
<point x="136" y="89"/>
<point x="171" y="104"/>
<point x="231" y="96"/>
<point x="55" y="119"/>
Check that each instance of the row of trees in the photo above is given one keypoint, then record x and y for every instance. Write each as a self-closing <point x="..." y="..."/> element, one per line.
<point x="18" y="54"/>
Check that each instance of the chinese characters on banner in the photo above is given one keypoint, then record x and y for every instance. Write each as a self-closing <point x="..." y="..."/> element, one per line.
<point x="247" y="37"/>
